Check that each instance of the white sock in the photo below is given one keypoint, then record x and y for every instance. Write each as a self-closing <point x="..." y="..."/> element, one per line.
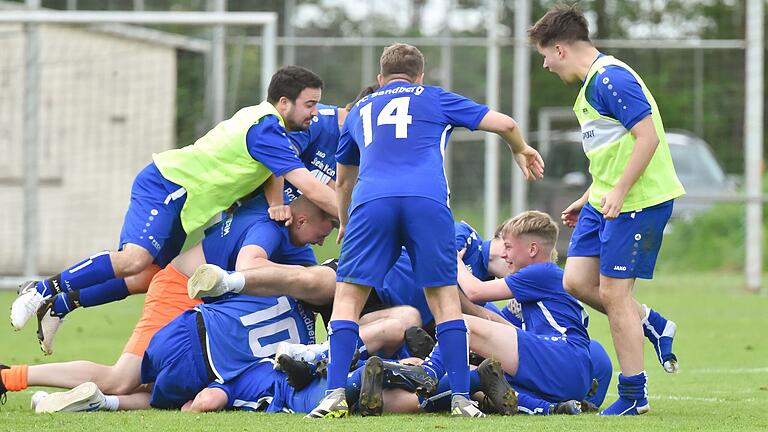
<point x="235" y="282"/>
<point x="111" y="403"/>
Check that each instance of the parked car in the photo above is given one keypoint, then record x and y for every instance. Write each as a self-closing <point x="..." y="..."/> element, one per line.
<point x="567" y="176"/>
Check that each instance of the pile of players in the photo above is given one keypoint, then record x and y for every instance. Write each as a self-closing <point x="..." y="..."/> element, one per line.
<point x="229" y="320"/>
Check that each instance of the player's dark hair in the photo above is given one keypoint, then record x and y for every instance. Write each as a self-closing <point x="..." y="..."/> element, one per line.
<point x="363" y="93"/>
<point x="290" y="81"/>
<point x="562" y="23"/>
<point x="401" y="61"/>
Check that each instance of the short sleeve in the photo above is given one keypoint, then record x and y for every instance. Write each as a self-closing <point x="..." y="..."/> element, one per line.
<point x="347" y="152"/>
<point x="301" y="140"/>
<point x="460" y="111"/>
<point x="463" y="232"/>
<point x="617" y="94"/>
<point x="530" y="283"/>
<point x="268" y="143"/>
<point x="267" y="236"/>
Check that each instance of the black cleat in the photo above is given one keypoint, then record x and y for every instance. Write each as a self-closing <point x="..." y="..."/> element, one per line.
<point x="298" y="372"/>
<point x="411" y="378"/>
<point x="496" y="387"/>
<point x="418" y="342"/>
<point x="3" y="390"/>
<point x="331" y="263"/>
<point x="570" y="407"/>
<point x="589" y="407"/>
<point x="475" y="359"/>
<point x="371" y="401"/>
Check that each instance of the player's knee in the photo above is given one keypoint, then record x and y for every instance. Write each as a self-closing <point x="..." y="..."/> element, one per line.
<point x="131" y="261"/>
<point x="409" y="316"/>
<point x="206" y="401"/>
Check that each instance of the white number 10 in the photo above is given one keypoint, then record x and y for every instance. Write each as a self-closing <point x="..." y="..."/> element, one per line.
<point x="395" y="112"/>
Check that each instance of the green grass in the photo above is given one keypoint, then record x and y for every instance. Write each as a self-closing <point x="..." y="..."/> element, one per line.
<point x="722" y="385"/>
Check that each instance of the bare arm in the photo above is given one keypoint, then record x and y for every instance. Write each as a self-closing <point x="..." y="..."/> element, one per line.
<point x="646" y="141"/>
<point x="469" y="308"/>
<point x="273" y="191"/>
<point x="481" y="291"/>
<point x="346" y="177"/>
<point x="311" y="187"/>
<point x="526" y="157"/>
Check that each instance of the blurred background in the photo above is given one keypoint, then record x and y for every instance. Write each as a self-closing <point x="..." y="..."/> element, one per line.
<point x="84" y="103"/>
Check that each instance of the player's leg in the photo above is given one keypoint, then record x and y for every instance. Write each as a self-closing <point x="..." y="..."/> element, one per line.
<point x="430" y="244"/>
<point x="207" y="400"/>
<point x="383" y="331"/>
<point x="602" y="372"/>
<point x="370" y="247"/>
<point x="151" y="232"/>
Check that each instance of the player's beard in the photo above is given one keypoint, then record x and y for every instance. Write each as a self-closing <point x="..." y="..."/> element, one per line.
<point x="294" y="126"/>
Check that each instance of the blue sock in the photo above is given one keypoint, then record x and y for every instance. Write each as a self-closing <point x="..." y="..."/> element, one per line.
<point x="532" y="405"/>
<point x="452" y="336"/>
<point x="91" y="271"/>
<point x="106" y="292"/>
<point x="441" y="400"/>
<point x="660" y="332"/>
<point x="433" y="364"/>
<point x="633" y="396"/>
<point x="64" y="303"/>
<point x="362" y="349"/>
<point x="343" y="336"/>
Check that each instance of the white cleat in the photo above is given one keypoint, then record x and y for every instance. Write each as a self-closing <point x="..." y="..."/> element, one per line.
<point x="47" y="325"/>
<point x="26" y="304"/>
<point x="463" y="407"/>
<point x="36" y="398"/>
<point x="208" y="280"/>
<point x="85" y="397"/>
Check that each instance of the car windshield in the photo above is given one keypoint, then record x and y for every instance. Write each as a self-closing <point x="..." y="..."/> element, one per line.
<point x="694" y="162"/>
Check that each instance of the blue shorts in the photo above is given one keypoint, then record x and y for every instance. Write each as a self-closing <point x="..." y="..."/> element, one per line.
<point x="627" y="246"/>
<point x="174" y="362"/>
<point x="378" y="229"/>
<point x="552" y="368"/>
<point x="602" y="371"/>
<point x="153" y="219"/>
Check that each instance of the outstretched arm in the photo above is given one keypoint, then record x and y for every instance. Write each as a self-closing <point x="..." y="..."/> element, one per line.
<point x="346" y="177"/>
<point x="469" y="308"/>
<point x="480" y="291"/>
<point x="526" y="157"/>
<point x="311" y="187"/>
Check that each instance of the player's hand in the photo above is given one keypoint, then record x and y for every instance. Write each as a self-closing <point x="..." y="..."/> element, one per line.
<point x="570" y="215"/>
<point x="612" y="203"/>
<point x="340" y="235"/>
<point x="530" y="162"/>
<point x="460" y="254"/>
<point x="413" y="361"/>
<point x="281" y="213"/>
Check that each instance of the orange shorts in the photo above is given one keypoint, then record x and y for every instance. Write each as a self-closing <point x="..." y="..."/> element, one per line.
<point x="166" y="299"/>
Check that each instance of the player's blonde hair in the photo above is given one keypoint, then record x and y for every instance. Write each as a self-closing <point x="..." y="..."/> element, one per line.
<point x="533" y="223"/>
<point x="402" y="60"/>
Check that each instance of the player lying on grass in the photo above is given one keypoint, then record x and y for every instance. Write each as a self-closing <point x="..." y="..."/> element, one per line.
<point x="244" y="239"/>
<point x="182" y="189"/>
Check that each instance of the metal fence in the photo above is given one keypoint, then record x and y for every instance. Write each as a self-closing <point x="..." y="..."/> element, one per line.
<point x="711" y="88"/>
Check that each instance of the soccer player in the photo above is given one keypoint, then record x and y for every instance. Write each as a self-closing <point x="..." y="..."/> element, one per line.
<point x="181" y="190"/>
<point x="397" y="136"/>
<point x="550" y="359"/>
<point x="247" y="238"/>
<point x="620" y="219"/>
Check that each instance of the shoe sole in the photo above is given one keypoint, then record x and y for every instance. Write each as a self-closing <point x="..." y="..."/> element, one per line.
<point x="371" y="398"/>
<point x="202" y="281"/>
<point x="57" y="402"/>
<point x="418" y="342"/>
<point x="492" y="381"/>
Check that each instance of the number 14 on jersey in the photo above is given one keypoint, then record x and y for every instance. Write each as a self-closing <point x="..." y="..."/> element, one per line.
<point x="395" y="112"/>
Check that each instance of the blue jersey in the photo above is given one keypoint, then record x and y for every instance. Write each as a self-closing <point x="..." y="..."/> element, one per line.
<point x="546" y="308"/>
<point x="242" y="328"/>
<point x="398" y="135"/>
<point x="268" y="143"/>
<point x="250" y="225"/>
<point x="317" y="147"/>
<point x="614" y="92"/>
<point x="476" y="254"/>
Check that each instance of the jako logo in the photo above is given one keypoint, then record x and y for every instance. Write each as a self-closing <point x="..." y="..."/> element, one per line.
<point x="588" y="134"/>
<point x="620" y="268"/>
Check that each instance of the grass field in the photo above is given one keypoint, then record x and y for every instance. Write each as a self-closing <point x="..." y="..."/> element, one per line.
<point x="723" y="383"/>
